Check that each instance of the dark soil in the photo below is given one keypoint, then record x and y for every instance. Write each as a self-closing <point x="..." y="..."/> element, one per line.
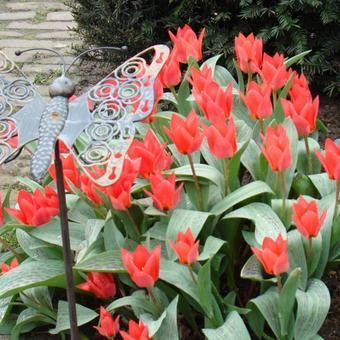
<point x="330" y="115"/>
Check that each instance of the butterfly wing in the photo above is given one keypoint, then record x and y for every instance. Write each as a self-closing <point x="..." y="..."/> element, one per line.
<point x="100" y="125"/>
<point x="20" y="109"/>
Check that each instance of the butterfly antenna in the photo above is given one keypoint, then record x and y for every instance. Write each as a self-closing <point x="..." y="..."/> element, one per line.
<point x="63" y="66"/>
<point x="123" y="48"/>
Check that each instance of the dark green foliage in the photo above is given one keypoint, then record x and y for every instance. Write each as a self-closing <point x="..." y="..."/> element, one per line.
<point x="287" y="26"/>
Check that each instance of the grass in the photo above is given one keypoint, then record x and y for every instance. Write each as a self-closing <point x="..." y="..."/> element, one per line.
<point x="40" y="16"/>
<point x="45" y="78"/>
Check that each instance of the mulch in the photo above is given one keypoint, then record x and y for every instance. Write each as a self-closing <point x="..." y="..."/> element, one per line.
<point x="330" y="115"/>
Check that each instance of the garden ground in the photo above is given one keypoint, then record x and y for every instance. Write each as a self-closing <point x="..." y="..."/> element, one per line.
<point x="32" y="24"/>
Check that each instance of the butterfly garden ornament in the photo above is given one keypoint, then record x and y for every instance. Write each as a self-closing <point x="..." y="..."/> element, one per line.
<point x="97" y="127"/>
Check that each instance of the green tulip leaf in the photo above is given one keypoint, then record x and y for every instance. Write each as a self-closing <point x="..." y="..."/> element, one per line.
<point x="84" y="315"/>
<point x="233" y="328"/>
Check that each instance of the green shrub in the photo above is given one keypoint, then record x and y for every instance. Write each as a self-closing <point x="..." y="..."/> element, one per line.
<point x="287" y="26"/>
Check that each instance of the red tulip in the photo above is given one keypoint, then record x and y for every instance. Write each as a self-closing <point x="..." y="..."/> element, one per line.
<point x="257" y="100"/>
<point x="152" y="154"/>
<point x="201" y="79"/>
<point x="185" y="247"/>
<point x="306" y="217"/>
<point x="221" y="138"/>
<point x="136" y="331"/>
<point x="89" y="188"/>
<point x="273" y="71"/>
<point x="2" y="220"/>
<point x="107" y="326"/>
<point x="158" y="93"/>
<point x="120" y="192"/>
<point x="273" y="255"/>
<point x="70" y="170"/>
<point x="102" y="285"/>
<point x="6" y="268"/>
<point x="300" y="88"/>
<point x="248" y="52"/>
<point x="331" y="159"/>
<point x="37" y="208"/>
<point x="170" y="74"/>
<point x="142" y="265"/>
<point x="303" y="113"/>
<point x="215" y="102"/>
<point x="186" y="44"/>
<point x="164" y="193"/>
<point x="276" y="148"/>
<point x="185" y="133"/>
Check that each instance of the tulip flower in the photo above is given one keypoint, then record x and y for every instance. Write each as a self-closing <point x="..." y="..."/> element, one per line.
<point x="303" y="113"/>
<point x="273" y="71"/>
<point x="170" y="74"/>
<point x="37" y="208"/>
<point x="186" y="44"/>
<point x="6" y="268"/>
<point x="185" y="248"/>
<point x="136" y="331"/>
<point x="151" y="153"/>
<point x="215" y="102"/>
<point x="273" y="255"/>
<point x="276" y="148"/>
<point x="163" y="191"/>
<point x="306" y="217"/>
<point x="331" y="159"/>
<point x="299" y="88"/>
<point x="2" y="220"/>
<point x="70" y="170"/>
<point x="142" y="265"/>
<point x="248" y="52"/>
<point x="102" y="285"/>
<point x="221" y="138"/>
<point x="89" y="188"/>
<point x="185" y="133"/>
<point x="331" y="162"/>
<point x="119" y="192"/>
<point x="107" y="326"/>
<point x="257" y="100"/>
<point x="158" y="93"/>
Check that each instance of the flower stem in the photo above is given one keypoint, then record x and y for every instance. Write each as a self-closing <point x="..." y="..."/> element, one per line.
<point x="337" y="198"/>
<point x="192" y="275"/>
<point x="274" y="99"/>
<point x="173" y="91"/>
<point x="309" y="247"/>
<point x="198" y="188"/>
<point x="153" y="298"/>
<point x="133" y="222"/>
<point x="309" y="157"/>
<point x="250" y="77"/>
<point x="283" y="193"/>
<point x="226" y="175"/>
<point x="279" y="283"/>
<point x="261" y="126"/>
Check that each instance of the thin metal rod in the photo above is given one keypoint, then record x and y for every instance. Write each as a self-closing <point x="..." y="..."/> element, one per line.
<point x="63" y="67"/>
<point x="123" y="48"/>
<point x="68" y="261"/>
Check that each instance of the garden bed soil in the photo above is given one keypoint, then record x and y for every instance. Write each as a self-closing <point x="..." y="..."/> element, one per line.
<point x="330" y="116"/>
